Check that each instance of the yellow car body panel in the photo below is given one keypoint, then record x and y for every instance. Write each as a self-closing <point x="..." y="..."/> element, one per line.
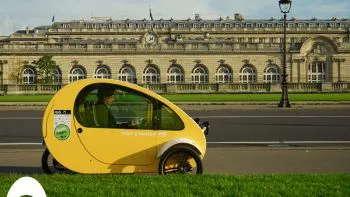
<point x="112" y="150"/>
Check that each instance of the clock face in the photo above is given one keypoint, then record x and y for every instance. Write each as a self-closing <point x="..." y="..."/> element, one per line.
<point x="150" y="38"/>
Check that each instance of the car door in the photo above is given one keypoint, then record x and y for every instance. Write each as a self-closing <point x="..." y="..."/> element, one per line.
<point x="129" y="138"/>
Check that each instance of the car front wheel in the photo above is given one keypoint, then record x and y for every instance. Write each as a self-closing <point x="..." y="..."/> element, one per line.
<point x="180" y="161"/>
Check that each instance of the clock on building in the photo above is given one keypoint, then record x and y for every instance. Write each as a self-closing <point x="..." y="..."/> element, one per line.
<point x="150" y="38"/>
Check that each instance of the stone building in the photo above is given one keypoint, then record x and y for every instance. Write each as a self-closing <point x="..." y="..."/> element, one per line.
<point x="192" y="51"/>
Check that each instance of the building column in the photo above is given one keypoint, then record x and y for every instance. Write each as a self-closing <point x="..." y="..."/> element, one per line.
<point x="296" y="78"/>
<point x="291" y="74"/>
<point x="337" y="69"/>
<point x="303" y="75"/>
<point x="2" y="62"/>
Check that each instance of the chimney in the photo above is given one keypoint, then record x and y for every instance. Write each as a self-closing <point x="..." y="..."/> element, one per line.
<point x="238" y="17"/>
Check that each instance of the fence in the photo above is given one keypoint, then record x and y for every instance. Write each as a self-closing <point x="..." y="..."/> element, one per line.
<point x="195" y="88"/>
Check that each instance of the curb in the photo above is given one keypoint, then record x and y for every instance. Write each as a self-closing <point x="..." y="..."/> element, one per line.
<point x="266" y="103"/>
<point x="272" y="103"/>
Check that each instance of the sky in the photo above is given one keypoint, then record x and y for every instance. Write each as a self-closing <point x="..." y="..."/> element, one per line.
<point x="18" y="14"/>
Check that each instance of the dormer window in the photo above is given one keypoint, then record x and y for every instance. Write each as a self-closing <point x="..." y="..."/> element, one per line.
<point x="322" y="25"/>
<point x="196" y="25"/>
<point x="301" y="25"/>
<point x="66" y="26"/>
<point x="181" y="26"/>
<point x="333" y="25"/>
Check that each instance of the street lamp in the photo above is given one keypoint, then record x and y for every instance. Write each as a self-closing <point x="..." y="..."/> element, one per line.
<point x="284" y="7"/>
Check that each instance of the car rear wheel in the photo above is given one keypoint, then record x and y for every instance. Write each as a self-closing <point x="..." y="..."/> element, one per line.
<point x="180" y="161"/>
<point x="50" y="165"/>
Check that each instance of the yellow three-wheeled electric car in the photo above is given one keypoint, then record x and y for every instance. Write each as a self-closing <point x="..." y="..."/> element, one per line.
<point x="109" y="126"/>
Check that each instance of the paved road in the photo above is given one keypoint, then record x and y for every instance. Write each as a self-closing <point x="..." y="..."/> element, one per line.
<point x="277" y="124"/>
<point x="223" y="160"/>
<point x="227" y="125"/>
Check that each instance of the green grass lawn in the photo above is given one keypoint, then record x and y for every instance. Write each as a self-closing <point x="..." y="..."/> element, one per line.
<point x="205" y="185"/>
<point x="206" y="97"/>
<point x="25" y="98"/>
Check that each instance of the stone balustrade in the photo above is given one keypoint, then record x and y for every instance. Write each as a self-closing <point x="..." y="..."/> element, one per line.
<point x="128" y="47"/>
<point x="196" y="88"/>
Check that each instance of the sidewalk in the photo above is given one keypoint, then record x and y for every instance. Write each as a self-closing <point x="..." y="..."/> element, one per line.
<point x="223" y="160"/>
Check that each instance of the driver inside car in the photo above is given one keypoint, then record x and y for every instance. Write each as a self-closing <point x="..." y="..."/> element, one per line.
<point x="118" y="116"/>
<point x="103" y="116"/>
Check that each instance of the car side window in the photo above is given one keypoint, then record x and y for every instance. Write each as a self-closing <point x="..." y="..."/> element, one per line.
<point x="169" y="120"/>
<point x="84" y="106"/>
<point x="132" y="110"/>
<point x="113" y="106"/>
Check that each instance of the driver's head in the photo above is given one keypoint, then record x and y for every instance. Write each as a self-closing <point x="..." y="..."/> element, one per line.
<point x="105" y="94"/>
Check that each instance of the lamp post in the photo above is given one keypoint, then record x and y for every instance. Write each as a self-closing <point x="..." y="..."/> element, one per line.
<point x="284" y="7"/>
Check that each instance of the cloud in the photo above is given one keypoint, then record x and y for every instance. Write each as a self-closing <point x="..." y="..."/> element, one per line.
<point x="7" y="25"/>
<point x="322" y="9"/>
<point x="256" y="9"/>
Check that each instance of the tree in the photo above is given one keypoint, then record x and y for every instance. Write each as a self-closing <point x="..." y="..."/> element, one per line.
<point x="45" y="67"/>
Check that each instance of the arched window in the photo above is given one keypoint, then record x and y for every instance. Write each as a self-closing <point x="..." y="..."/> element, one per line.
<point x="272" y="75"/>
<point x="77" y="73"/>
<point x="102" y="72"/>
<point x="151" y="75"/>
<point x="223" y="75"/>
<point x="127" y="74"/>
<point x="175" y="75"/>
<point x="57" y="76"/>
<point x="247" y="75"/>
<point x="28" y="76"/>
<point x="199" y="75"/>
<point x="317" y="72"/>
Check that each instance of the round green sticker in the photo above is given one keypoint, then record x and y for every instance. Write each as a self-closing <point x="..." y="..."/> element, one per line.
<point x="62" y="132"/>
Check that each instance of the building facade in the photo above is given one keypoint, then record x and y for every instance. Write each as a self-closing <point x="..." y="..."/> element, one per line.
<point x="193" y="51"/>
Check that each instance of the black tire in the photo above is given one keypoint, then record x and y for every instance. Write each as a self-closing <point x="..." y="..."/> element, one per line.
<point x="50" y="165"/>
<point x="179" y="158"/>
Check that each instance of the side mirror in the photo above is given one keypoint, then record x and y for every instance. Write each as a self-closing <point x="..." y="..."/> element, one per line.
<point x="196" y="120"/>
<point x="206" y="125"/>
